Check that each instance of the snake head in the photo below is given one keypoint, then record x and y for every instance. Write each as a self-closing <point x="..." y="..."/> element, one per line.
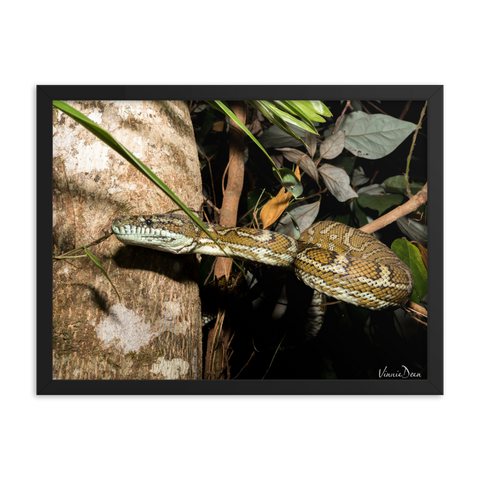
<point x="167" y="233"/>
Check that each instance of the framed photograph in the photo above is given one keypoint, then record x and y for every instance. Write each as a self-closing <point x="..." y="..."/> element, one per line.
<point x="240" y="239"/>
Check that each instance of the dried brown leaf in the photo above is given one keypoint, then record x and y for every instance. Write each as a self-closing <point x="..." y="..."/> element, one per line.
<point x="218" y="126"/>
<point x="274" y="208"/>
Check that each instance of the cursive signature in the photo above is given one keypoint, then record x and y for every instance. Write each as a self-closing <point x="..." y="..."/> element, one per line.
<point x="405" y="373"/>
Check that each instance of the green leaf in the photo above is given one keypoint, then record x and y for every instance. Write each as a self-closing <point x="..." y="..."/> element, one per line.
<point x="298" y="219"/>
<point x="314" y="109"/>
<point x="290" y="119"/>
<point x="289" y="180"/>
<point x="291" y="107"/>
<point x="373" y="136"/>
<point x="410" y="255"/>
<point x="275" y="119"/>
<point x="396" y="184"/>
<point x="274" y="137"/>
<point x="274" y="110"/>
<point x="379" y="202"/>
<point x="296" y="227"/>
<point x="414" y="230"/>
<point x="319" y="107"/>
<point x="97" y="262"/>
<point x="415" y="187"/>
<point x="342" y="218"/>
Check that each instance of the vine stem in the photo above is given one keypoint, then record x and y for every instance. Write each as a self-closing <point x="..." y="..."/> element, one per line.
<point x="233" y="192"/>
<point x="413" y="146"/>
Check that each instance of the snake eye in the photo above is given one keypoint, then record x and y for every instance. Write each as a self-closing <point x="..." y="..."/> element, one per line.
<point x="148" y="222"/>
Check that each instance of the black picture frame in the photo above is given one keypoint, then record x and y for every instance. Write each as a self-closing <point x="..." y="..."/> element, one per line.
<point x="432" y="385"/>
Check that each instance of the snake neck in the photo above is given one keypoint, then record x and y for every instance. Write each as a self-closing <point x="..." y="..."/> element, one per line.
<point x="261" y="246"/>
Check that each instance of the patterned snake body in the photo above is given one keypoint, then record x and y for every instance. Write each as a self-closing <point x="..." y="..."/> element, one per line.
<point x="332" y="258"/>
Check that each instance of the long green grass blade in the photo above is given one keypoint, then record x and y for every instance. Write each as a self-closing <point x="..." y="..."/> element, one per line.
<point x="97" y="262"/>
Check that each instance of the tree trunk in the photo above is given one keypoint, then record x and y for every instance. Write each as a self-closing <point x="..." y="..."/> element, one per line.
<point x="219" y="338"/>
<point x="154" y="331"/>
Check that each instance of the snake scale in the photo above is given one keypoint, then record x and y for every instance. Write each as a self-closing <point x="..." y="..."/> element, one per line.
<point x="332" y="258"/>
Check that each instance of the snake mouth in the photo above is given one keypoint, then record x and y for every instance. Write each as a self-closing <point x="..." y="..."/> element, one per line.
<point x="143" y="236"/>
<point x="146" y="236"/>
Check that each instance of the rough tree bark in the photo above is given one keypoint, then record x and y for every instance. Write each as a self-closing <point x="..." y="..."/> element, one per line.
<point x="154" y="331"/>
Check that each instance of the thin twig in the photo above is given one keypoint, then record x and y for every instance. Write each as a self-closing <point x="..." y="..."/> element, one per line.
<point x="414" y="309"/>
<point x="405" y="110"/>
<point x="363" y="106"/>
<point x="374" y="176"/>
<point x="95" y="242"/>
<point x="378" y="108"/>
<point x="417" y="308"/>
<point x="413" y="146"/>
<point x="274" y="355"/>
<point x="241" y="370"/>
<point x="410" y="206"/>
<point x="341" y="116"/>
<point x="209" y="202"/>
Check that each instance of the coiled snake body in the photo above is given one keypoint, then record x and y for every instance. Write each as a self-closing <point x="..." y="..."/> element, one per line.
<point x="332" y="258"/>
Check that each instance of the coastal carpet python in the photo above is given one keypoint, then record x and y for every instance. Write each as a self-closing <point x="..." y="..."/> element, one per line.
<point x="332" y="258"/>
